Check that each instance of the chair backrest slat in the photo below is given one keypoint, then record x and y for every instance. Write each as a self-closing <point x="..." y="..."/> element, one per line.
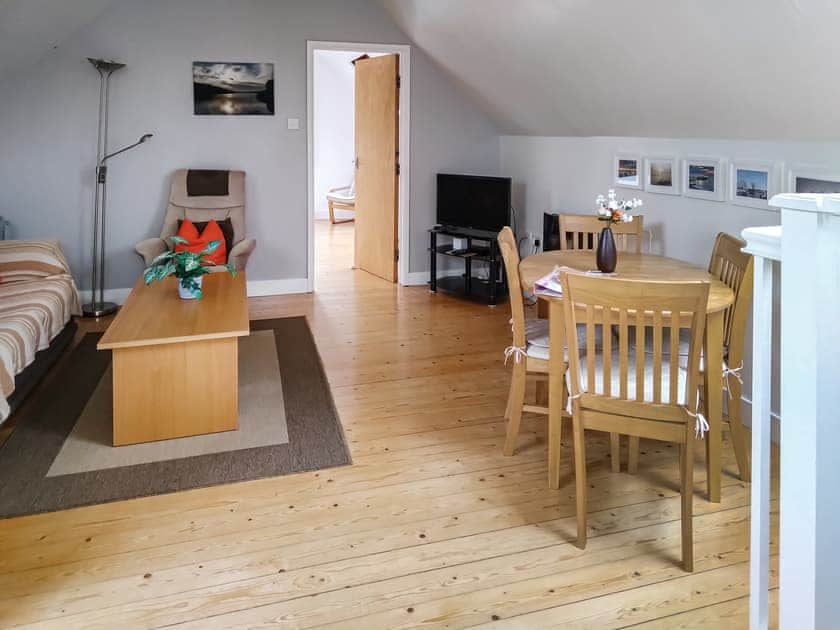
<point x="581" y="232"/>
<point x="658" y="310"/>
<point x="732" y="266"/>
<point x="673" y="355"/>
<point x="622" y="353"/>
<point x="510" y="255"/>
<point x="640" y="354"/>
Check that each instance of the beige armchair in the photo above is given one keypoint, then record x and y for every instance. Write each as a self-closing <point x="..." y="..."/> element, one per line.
<point x="201" y="195"/>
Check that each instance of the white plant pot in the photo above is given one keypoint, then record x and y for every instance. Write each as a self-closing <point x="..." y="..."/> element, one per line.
<point x="186" y="294"/>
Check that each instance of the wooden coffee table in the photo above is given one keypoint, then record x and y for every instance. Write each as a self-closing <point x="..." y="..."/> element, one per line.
<point x="175" y="362"/>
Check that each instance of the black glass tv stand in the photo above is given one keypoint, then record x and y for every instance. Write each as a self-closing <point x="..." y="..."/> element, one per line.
<point x="481" y="246"/>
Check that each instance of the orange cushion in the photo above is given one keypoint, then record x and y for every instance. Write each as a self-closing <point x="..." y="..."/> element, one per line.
<point x="197" y="242"/>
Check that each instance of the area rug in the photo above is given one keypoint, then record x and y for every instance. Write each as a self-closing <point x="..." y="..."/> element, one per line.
<point x="60" y="455"/>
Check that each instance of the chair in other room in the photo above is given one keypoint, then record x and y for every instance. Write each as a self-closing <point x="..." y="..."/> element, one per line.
<point x="734" y="268"/>
<point x="581" y="232"/>
<point x="633" y="392"/>
<point x="343" y="198"/>
<point x="202" y="196"/>
<point x="530" y="350"/>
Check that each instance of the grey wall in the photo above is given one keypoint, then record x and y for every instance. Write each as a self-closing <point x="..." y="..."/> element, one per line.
<point x="48" y="125"/>
<point x="561" y="174"/>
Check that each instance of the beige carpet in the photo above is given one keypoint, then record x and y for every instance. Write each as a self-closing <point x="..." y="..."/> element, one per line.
<point x="262" y="420"/>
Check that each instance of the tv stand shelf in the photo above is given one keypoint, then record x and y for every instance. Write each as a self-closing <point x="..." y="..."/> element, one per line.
<point x="481" y="247"/>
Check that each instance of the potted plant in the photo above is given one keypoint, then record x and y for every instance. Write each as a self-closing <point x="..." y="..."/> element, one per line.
<point x="188" y="267"/>
<point x="611" y="210"/>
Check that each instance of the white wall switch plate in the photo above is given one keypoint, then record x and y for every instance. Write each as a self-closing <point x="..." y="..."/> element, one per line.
<point x="293" y="123"/>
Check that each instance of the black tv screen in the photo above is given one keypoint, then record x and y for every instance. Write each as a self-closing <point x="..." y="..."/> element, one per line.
<point x="470" y="201"/>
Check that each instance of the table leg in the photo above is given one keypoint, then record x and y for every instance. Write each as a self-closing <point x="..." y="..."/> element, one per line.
<point x="713" y="399"/>
<point x="556" y="375"/>
<point x="175" y="390"/>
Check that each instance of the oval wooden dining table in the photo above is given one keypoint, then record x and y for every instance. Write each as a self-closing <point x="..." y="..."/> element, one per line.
<point x="632" y="266"/>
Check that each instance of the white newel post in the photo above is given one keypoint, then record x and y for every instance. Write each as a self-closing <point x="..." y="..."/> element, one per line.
<point x="809" y="535"/>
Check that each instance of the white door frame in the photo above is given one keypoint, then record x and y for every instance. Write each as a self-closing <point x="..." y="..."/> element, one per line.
<point x="404" y="51"/>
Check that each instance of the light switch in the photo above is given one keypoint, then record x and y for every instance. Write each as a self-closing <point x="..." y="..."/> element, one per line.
<point x="293" y="123"/>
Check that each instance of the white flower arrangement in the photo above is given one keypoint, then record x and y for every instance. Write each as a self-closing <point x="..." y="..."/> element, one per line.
<point x="616" y="210"/>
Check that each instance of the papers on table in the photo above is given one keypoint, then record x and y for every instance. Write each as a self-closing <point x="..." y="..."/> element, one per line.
<point x="549" y="284"/>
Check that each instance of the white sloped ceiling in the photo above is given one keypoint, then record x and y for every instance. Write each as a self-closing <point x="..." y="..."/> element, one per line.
<point x="29" y="29"/>
<point x="765" y="69"/>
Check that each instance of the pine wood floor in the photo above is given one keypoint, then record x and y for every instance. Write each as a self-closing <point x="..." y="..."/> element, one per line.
<point x="430" y="526"/>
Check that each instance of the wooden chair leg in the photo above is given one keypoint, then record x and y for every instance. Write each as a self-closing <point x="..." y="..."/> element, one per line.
<point x="615" y="452"/>
<point x="516" y="399"/>
<point x="633" y="454"/>
<point x="332" y="212"/>
<point x="687" y="498"/>
<point x="738" y="431"/>
<point x="580" y="480"/>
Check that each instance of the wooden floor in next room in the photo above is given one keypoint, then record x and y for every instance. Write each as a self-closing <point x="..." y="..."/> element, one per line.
<point x="430" y="526"/>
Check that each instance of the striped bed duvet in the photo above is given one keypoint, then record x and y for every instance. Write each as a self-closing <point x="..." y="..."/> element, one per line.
<point x="37" y="299"/>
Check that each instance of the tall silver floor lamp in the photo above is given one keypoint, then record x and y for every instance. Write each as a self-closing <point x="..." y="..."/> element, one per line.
<point x="97" y="307"/>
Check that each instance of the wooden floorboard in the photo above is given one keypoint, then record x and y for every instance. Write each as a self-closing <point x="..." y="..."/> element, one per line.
<point x="430" y="526"/>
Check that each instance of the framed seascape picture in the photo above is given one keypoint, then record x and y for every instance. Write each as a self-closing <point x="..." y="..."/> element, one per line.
<point x="813" y="180"/>
<point x="662" y="175"/>
<point x="752" y="184"/>
<point x="627" y="171"/>
<point x="233" y="89"/>
<point x="704" y="178"/>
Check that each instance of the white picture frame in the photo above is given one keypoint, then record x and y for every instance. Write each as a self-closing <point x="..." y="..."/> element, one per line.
<point x="621" y="171"/>
<point x="657" y="171"/>
<point x="704" y="178"/>
<point x="753" y="184"/>
<point x="812" y="179"/>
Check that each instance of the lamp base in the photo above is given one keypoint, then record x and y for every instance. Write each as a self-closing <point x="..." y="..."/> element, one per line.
<point x="98" y="309"/>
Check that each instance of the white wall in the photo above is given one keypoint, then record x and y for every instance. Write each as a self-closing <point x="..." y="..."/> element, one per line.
<point x="334" y="138"/>
<point x="48" y="126"/>
<point x="560" y="174"/>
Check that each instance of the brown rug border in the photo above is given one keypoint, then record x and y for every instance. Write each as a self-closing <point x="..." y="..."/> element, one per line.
<point x="27" y="455"/>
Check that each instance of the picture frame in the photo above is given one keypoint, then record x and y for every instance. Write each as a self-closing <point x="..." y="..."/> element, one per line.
<point x="224" y="88"/>
<point x="627" y="171"/>
<point x="811" y="179"/>
<point x="662" y="174"/>
<point x="704" y="178"/>
<point x="753" y="184"/>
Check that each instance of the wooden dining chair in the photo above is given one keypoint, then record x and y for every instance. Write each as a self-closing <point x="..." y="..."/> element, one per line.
<point x="733" y="267"/>
<point x="632" y="392"/>
<point x="581" y="232"/>
<point x="529" y="351"/>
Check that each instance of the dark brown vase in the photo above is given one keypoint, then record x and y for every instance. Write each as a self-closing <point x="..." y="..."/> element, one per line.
<point x="605" y="256"/>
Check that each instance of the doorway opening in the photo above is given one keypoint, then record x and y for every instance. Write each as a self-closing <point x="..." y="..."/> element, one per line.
<point x="357" y="123"/>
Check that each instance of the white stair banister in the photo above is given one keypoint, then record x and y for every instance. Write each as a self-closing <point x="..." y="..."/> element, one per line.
<point x="808" y="246"/>
<point x="765" y="244"/>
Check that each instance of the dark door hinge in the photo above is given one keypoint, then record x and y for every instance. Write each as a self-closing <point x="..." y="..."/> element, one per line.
<point x="398" y="168"/>
<point x="399" y="82"/>
<point x="396" y="255"/>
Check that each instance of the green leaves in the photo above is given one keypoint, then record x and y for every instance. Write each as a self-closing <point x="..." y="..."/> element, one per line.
<point x="184" y="265"/>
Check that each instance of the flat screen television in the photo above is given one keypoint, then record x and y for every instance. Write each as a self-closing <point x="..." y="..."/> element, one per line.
<point x="471" y="201"/>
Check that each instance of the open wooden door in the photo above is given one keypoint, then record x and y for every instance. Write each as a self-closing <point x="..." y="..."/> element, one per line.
<point x="377" y="165"/>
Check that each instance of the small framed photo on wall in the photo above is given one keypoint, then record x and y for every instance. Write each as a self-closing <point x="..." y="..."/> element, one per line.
<point x="752" y="184"/>
<point x="704" y="178"/>
<point x="813" y="180"/>
<point x="627" y="171"/>
<point x="662" y="175"/>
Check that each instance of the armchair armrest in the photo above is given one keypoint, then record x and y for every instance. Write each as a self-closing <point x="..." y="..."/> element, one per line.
<point x="151" y="248"/>
<point x="239" y="253"/>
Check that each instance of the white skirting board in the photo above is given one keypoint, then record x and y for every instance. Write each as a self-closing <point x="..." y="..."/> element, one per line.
<point x="775" y="419"/>
<point x="421" y="278"/>
<point x="256" y="288"/>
